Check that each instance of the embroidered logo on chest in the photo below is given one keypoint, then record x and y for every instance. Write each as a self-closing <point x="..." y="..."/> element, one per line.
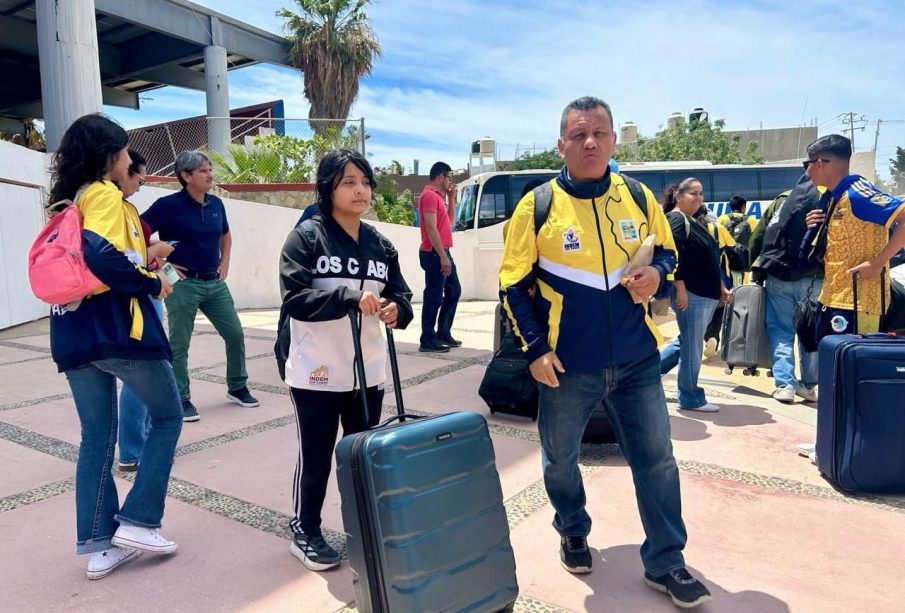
<point x="570" y="241"/>
<point x="629" y="230"/>
<point x="319" y="376"/>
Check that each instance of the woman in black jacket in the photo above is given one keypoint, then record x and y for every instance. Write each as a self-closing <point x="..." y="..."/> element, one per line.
<point x="332" y="264"/>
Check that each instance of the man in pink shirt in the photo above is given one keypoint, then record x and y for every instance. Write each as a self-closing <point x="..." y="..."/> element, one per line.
<point x="437" y="211"/>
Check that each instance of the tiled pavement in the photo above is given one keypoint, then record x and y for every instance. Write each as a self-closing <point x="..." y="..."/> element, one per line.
<point x="766" y="532"/>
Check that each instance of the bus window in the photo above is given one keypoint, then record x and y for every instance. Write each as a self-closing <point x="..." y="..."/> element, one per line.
<point x="465" y="207"/>
<point x="492" y="208"/>
<point x="727" y="183"/>
<point x="653" y="179"/>
<point x="671" y="176"/>
<point x="774" y="181"/>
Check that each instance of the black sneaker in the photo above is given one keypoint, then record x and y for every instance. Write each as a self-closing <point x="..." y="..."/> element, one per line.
<point x="189" y="412"/>
<point x="243" y="396"/>
<point x="313" y="551"/>
<point x="574" y="554"/>
<point x="448" y="340"/>
<point x="128" y="467"/>
<point x="685" y="590"/>
<point x="435" y="348"/>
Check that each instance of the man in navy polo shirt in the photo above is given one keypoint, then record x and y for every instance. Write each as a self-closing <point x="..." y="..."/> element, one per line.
<point x="195" y="222"/>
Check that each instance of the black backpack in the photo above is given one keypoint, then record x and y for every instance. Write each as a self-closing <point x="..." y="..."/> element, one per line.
<point x="785" y="232"/>
<point x="543" y="198"/>
<point x="741" y="232"/>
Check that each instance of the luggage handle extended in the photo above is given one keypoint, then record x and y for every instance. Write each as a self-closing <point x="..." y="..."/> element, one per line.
<point x="855" y="278"/>
<point x="360" y="371"/>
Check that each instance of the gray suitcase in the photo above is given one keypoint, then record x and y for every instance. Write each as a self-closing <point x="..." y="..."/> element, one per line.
<point x="744" y="334"/>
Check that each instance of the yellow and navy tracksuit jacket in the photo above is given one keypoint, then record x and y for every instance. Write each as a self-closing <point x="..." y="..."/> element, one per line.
<point x="580" y="310"/>
<point x="119" y="320"/>
<point x="857" y="231"/>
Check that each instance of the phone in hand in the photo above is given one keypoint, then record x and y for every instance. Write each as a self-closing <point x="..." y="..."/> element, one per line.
<point x="172" y="243"/>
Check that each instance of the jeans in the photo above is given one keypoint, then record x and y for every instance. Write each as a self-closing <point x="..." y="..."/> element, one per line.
<point x="134" y="421"/>
<point x="98" y="513"/>
<point x="215" y="301"/>
<point x="318" y="414"/>
<point x="687" y="350"/>
<point x="782" y="296"/>
<point x="633" y="397"/>
<point x="441" y="294"/>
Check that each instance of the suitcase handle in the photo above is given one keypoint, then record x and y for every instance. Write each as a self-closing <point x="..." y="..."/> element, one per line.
<point x="360" y="368"/>
<point x="401" y="418"/>
<point x="882" y="296"/>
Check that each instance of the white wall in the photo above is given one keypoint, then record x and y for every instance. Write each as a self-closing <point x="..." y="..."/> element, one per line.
<point x="23" y="184"/>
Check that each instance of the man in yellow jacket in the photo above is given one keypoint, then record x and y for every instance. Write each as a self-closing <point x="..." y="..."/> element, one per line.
<point x="588" y="337"/>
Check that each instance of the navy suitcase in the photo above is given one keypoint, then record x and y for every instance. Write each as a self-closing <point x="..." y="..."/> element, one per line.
<point x="861" y="412"/>
<point x="423" y="512"/>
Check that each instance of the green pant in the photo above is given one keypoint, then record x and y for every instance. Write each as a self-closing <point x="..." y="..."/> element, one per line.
<point x="215" y="301"/>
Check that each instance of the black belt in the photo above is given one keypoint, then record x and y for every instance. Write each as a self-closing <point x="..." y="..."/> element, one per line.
<point x="204" y="276"/>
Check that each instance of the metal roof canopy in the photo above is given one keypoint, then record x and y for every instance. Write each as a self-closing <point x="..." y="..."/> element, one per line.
<point x="142" y="45"/>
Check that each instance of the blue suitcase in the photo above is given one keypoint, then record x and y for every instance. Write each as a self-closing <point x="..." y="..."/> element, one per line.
<point x="861" y="412"/>
<point x="423" y="512"/>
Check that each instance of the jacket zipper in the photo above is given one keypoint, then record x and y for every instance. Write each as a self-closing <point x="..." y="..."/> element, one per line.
<point x="606" y="277"/>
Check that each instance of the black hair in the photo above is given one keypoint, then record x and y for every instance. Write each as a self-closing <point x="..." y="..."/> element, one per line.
<point x="701" y="213"/>
<point x="672" y="192"/>
<point x="833" y="144"/>
<point x="330" y="172"/>
<point x="585" y="103"/>
<point x="138" y="160"/>
<point x="87" y="152"/>
<point x="737" y="204"/>
<point x="438" y="169"/>
<point x="530" y="185"/>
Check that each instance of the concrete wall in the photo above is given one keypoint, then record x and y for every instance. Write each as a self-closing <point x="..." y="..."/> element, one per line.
<point x="864" y="163"/>
<point x="23" y="193"/>
<point x="778" y="144"/>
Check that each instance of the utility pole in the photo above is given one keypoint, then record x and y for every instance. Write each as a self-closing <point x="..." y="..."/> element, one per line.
<point x="877" y="135"/>
<point x="853" y="122"/>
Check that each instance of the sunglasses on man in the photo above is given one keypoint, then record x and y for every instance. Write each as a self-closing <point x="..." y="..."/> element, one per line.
<point x="807" y="163"/>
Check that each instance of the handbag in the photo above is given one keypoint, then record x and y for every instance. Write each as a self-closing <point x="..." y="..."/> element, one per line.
<point x="804" y="319"/>
<point x="507" y="385"/>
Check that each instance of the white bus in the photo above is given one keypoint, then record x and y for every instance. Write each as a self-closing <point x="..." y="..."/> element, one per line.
<point x="487" y="199"/>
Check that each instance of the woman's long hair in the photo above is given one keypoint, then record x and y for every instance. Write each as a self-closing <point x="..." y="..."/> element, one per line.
<point x="330" y="173"/>
<point x="672" y="192"/>
<point x="87" y="151"/>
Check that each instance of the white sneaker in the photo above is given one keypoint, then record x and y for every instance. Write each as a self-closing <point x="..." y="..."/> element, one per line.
<point x="710" y="348"/>
<point x="102" y="563"/>
<point x="784" y="394"/>
<point x="146" y="539"/>
<point x="707" y="408"/>
<point x="805" y="449"/>
<point x="808" y="393"/>
<point x="813" y="457"/>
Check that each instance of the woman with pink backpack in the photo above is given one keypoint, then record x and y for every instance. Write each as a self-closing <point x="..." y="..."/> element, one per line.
<point x="111" y="334"/>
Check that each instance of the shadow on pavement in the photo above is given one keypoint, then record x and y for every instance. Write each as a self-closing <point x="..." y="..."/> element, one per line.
<point x="733" y="416"/>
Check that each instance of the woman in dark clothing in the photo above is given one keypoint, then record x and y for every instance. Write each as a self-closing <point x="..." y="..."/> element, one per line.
<point x="331" y="264"/>
<point x="698" y="288"/>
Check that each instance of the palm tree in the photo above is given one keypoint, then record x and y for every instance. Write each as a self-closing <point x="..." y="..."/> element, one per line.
<point x="334" y="45"/>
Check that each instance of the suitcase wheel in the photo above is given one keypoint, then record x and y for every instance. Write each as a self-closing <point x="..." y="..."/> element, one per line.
<point x="728" y="370"/>
<point x="751" y="372"/>
<point x="770" y="373"/>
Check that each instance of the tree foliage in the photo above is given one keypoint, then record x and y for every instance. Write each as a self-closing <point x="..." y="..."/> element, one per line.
<point x="32" y="136"/>
<point x="545" y="160"/>
<point x="334" y="45"/>
<point x="897" y="170"/>
<point x="392" y="206"/>
<point x="698" y="140"/>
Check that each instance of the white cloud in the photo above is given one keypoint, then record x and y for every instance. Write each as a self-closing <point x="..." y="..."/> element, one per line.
<point x="455" y="72"/>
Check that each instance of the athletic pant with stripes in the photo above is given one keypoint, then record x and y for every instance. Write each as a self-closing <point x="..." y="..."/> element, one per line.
<point x="318" y="415"/>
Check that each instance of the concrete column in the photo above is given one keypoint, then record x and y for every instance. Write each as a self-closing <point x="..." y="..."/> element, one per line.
<point x="70" y="69"/>
<point x="218" y="124"/>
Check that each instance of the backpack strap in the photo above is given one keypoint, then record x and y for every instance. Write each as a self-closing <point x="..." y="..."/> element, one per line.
<point x="637" y="191"/>
<point x="543" y="198"/>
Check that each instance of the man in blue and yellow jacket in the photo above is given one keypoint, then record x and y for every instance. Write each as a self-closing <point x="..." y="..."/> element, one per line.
<point x="588" y="337"/>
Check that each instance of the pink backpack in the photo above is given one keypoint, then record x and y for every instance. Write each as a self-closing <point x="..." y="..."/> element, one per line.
<point x="56" y="261"/>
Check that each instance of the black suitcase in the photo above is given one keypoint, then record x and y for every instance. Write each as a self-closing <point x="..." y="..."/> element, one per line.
<point x="423" y="512"/>
<point x="744" y="334"/>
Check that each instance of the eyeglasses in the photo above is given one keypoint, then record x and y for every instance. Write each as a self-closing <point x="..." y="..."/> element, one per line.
<point x="807" y="163"/>
<point x="141" y="182"/>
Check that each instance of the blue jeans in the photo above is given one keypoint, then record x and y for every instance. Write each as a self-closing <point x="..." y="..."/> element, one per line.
<point x="441" y="295"/>
<point x="634" y="400"/>
<point x="96" y="501"/>
<point x="134" y="421"/>
<point x="782" y="296"/>
<point x="687" y="350"/>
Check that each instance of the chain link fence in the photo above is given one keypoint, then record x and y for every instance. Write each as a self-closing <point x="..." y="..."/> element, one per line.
<point x="259" y="149"/>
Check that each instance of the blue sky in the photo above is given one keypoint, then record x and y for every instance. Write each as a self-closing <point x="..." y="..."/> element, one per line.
<point x="454" y="72"/>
